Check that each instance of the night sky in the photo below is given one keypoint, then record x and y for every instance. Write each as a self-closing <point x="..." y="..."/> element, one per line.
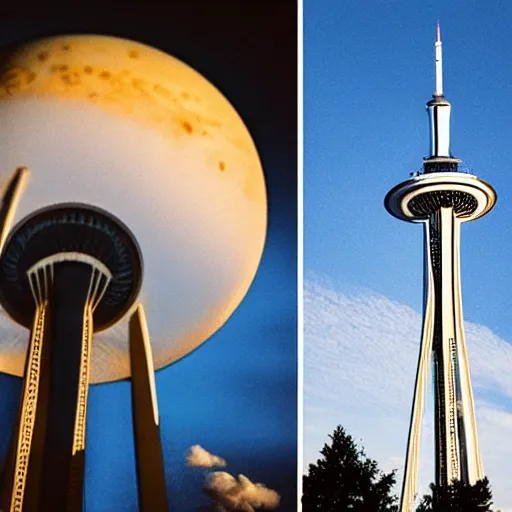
<point x="236" y="394"/>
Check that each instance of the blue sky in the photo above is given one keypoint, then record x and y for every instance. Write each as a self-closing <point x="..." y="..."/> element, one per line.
<point x="368" y="72"/>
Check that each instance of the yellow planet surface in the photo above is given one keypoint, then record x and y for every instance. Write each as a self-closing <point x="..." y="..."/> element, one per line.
<point x="128" y="128"/>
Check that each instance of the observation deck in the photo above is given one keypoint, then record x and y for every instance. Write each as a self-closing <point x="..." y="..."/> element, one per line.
<point x="70" y="233"/>
<point x="416" y="199"/>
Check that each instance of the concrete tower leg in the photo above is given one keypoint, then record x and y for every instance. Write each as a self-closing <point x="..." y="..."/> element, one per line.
<point x="475" y="470"/>
<point x="410" y="482"/>
<point x="148" y="447"/>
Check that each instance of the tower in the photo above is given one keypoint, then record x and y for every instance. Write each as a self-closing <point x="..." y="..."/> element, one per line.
<point x="441" y="197"/>
<point x="67" y="271"/>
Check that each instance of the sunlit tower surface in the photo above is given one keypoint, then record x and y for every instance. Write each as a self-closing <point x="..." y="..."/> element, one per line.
<point x="441" y="197"/>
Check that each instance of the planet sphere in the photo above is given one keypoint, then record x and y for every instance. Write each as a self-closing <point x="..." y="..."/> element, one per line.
<point x="134" y="131"/>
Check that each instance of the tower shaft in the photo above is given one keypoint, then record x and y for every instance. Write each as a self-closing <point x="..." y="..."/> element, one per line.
<point x="457" y="452"/>
<point x="65" y="271"/>
<point x="48" y="464"/>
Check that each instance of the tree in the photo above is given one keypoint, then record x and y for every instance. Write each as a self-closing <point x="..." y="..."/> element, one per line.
<point x="458" y="497"/>
<point x="346" y="480"/>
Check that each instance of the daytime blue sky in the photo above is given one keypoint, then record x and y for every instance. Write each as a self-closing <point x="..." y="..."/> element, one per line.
<point x="368" y="72"/>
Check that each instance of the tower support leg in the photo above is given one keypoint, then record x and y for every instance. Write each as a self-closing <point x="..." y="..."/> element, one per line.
<point x="20" y="476"/>
<point x="148" y="447"/>
<point x="410" y="482"/>
<point x="71" y="324"/>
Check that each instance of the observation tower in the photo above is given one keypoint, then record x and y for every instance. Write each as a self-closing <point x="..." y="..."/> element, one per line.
<point x="441" y="197"/>
<point x="67" y="271"/>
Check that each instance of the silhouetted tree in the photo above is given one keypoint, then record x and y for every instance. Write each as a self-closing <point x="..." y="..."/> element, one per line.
<point x="458" y="497"/>
<point x="345" y="479"/>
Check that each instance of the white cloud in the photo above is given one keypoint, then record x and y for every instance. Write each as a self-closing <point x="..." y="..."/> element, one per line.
<point x="239" y="495"/>
<point x="360" y="357"/>
<point x="198" y="457"/>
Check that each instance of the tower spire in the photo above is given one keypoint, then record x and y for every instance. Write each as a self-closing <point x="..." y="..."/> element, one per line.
<point x="439" y="62"/>
<point x="440" y="157"/>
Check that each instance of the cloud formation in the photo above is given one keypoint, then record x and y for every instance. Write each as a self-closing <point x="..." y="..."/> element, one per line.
<point x="360" y="357"/>
<point x="198" y="457"/>
<point x="239" y="495"/>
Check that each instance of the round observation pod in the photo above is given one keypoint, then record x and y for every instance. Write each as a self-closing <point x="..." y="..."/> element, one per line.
<point x="130" y="130"/>
<point x="70" y="232"/>
<point x="416" y="199"/>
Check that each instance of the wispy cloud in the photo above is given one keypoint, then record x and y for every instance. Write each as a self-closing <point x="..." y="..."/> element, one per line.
<point x="240" y="494"/>
<point x="360" y="356"/>
<point x="198" y="457"/>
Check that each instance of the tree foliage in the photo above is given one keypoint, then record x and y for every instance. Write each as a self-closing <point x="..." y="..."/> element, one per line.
<point x="345" y="479"/>
<point x="458" y="497"/>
